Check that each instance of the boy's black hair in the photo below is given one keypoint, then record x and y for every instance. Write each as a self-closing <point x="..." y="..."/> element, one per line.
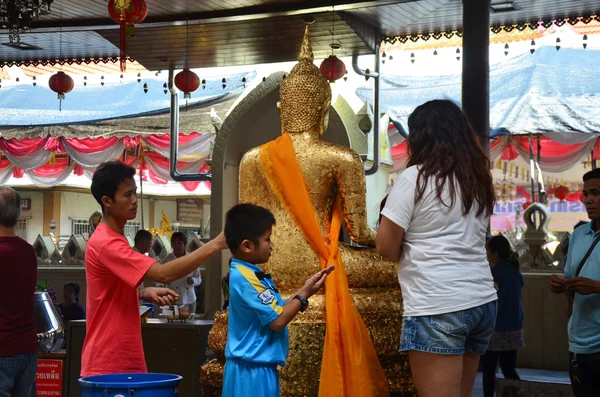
<point x="179" y="236"/>
<point x="593" y="174"/>
<point x="246" y="222"/>
<point x="108" y="177"/>
<point x="142" y="235"/>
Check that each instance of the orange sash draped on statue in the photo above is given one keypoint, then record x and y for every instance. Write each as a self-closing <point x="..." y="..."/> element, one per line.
<point x="350" y="366"/>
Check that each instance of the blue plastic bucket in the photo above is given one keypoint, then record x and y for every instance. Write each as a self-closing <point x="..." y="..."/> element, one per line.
<point x="130" y="385"/>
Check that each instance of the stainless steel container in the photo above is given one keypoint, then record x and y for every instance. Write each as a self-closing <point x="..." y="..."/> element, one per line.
<point x="48" y="323"/>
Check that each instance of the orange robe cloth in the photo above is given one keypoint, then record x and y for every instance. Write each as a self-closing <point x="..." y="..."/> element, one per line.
<point x="350" y="366"/>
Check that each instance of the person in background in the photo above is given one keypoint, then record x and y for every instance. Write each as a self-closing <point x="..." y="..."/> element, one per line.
<point x="581" y="285"/>
<point x="18" y="272"/>
<point x="70" y="308"/>
<point x="184" y="286"/>
<point x="434" y="225"/>
<point x="508" y="335"/>
<point x="142" y="242"/>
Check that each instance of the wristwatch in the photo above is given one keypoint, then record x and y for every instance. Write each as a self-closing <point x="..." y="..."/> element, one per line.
<point x="303" y="302"/>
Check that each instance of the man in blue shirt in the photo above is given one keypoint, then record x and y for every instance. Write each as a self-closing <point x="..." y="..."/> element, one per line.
<point x="583" y="291"/>
<point x="257" y="337"/>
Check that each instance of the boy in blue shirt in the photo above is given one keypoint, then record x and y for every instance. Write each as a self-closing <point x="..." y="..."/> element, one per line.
<point x="257" y="338"/>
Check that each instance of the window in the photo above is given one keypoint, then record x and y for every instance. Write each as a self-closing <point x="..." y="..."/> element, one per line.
<point x="21" y="227"/>
<point x="132" y="227"/>
<point x="80" y="226"/>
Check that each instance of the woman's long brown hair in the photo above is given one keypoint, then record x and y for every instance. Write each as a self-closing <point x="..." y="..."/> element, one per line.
<point x="445" y="147"/>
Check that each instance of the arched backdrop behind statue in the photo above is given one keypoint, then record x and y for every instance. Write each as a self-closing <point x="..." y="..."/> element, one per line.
<point x="253" y="121"/>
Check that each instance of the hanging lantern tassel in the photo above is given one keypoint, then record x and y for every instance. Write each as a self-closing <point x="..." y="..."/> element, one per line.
<point x="60" y="97"/>
<point x="187" y="96"/>
<point x="122" y="42"/>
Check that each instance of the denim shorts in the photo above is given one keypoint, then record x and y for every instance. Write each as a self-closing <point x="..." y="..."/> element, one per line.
<point x="450" y="333"/>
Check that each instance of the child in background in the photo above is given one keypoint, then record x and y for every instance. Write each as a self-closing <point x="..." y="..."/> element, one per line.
<point x="257" y="339"/>
<point x="508" y="333"/>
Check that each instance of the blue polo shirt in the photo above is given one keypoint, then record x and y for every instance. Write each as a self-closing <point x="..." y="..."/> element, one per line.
<point x="584" y="324"/>
<point x="254" y="302"/>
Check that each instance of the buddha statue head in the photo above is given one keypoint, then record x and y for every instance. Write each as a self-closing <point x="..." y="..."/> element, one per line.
<point x="305" y="95"/>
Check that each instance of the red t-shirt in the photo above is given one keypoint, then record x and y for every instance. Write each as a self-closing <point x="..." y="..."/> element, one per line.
<point x="113" y="341"/>
<point x="18" y="273"/>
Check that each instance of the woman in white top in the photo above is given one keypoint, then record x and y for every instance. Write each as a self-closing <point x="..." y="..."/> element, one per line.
<point x="184" y="286"/>
<point x="434" y="224"/>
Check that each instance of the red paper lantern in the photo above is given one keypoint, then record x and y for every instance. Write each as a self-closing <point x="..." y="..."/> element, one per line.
<point x="561" y="192"/>
<point x="126" y="13"/>
<point x="187" y="81"/>
<point x="61" y="83"/>
<point x="527" y="204"/>
<point x="333" y="68"/>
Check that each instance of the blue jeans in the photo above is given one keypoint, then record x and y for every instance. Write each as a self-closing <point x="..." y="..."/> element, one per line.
<point x="17" y="375"/>
<point x="450" y="333"/>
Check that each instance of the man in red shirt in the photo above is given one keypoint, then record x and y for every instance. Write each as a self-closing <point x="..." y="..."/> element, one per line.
<point x="18" y="272"/>
<point x="113" y="342"/>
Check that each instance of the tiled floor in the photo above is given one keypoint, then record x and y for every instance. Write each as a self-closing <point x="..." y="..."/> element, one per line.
<point x="527" y="374"/>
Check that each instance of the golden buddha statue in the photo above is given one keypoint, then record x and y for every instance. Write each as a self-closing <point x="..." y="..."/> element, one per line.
<point x="330" y="171"/>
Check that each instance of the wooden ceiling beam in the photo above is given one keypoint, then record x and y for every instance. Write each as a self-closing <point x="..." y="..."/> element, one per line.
<point x="264" y="11"/>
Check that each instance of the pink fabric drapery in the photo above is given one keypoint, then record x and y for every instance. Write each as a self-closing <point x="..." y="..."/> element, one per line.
<point x="92" y="145"/>
<point x="193" y="147"/>
<point x="22" y="147"/>
<point x="504" y="147"/>
<point x="158" y="170"/>
<point x="555" y="156"/>
<point x="6" y="170"/>
<point x="31" y="156"/>
<point x="573" y="196"/>
<point x="400" y="152"/>
<point x="164" y="140"/>
<point x="27" y="154"/>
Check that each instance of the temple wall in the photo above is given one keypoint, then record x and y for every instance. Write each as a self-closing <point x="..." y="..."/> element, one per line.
<point x="75" y="205"/>
<point x="82" y="205"/>
<point x="35" y="215"/>
<point x="170" y="209"/>
<point x="545" y="326"/>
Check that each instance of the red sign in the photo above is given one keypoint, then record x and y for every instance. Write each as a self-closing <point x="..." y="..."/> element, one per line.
<point x="49" y="378"/>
